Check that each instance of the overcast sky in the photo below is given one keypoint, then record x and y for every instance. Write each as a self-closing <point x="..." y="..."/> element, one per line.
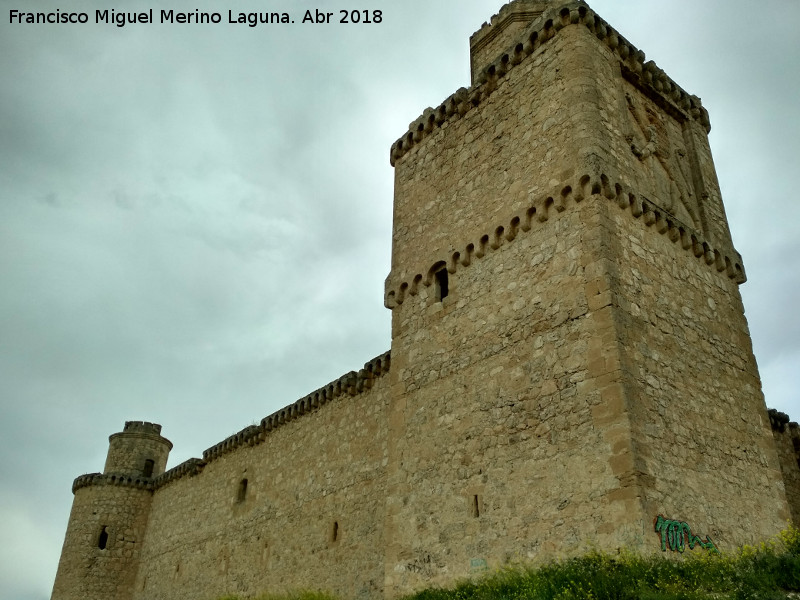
<point x="195" y="220"/>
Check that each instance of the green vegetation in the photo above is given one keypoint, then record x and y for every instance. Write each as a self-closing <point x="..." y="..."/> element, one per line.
<point x="296" y="596"/>
<point x="763" y="573"/>
<point x="768" y="572"/>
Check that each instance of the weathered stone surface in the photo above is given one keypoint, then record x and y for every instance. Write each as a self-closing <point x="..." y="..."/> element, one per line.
<point x="570" y="359"/>
<point x="787" y="442"/>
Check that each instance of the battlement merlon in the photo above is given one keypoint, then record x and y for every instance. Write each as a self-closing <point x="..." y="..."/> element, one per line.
<point x="779" y="421"/>
<point x="141" y="427"/>
<point x="142" y="430"/>
<point x="786" y="434"/>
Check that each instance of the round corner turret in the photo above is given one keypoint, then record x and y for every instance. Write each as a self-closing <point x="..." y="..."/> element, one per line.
<point x="139" y="450"/>
<point x="107" y="523"/>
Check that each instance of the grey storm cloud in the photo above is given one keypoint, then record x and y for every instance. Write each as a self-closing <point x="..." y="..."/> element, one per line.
<point x="195" y="221"/>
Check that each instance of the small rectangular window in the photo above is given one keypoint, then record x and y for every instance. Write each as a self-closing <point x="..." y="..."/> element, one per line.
<point x="102" y="541"/>
<point x="148" y="468"/>
<point x="476" y="506"/>
<point x="241" y="494"/>
<point x="441" y="285"/>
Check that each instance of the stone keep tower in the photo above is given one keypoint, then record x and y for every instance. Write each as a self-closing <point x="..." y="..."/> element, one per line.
<point x="109" y="516"/>
<point x="569" y="348"/>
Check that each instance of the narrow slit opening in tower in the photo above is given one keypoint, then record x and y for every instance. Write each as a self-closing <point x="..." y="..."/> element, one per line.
<point x="148" y="468"/>
<point x="476" y="507"/>
<point x="241" y="494"/>
<point x="102" y="541"/>
<point x="441" y="285"/>
<point x="335" y="532"/>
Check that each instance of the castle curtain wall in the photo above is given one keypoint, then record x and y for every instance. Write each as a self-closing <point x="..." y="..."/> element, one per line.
<point x="320" y="471"/>
<point x="787" y="444"/>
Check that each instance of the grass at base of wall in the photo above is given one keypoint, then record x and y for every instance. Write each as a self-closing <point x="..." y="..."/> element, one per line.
<point x="294" y="596"/>
<point x="770" y="571"/>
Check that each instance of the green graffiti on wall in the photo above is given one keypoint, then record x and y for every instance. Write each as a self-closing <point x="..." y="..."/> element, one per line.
<point x="676" y="535"/>
<point x="477" y="565"/>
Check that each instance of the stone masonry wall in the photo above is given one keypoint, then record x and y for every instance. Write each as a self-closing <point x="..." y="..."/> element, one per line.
<point x="500" y="32"/>
<point x="588" y="368"/>
<point x="660" y="149"/>
<point x="693" y="390"/>
<point x="636" y="384"/>
<point x="474" y="173"/>
<point x="88" y="571"/>
<point x="503" y="448"/>
<point x="703" y="446"/>
<point x="502" y="424"/>
<point x="129" y="450"/>
<point x="319" y="472"/>
<point x="787" y="443"/>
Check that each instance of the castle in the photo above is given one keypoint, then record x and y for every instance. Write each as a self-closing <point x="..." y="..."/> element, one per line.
<point x="570" y="363"/>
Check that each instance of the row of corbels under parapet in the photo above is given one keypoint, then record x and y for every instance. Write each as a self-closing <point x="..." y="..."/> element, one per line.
<point x="497" y="18"/>
<point x="348" y="385"/>
<point x="540" y="210"/>
<point x="187" y="468"/>
<point x="116" y="479"/>
<point x="644" y="73"/>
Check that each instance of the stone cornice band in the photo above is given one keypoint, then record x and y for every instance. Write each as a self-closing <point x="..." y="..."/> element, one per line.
<point x="562" y="196"/>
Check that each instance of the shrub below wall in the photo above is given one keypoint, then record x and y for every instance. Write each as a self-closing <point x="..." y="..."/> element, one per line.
<point x="768" y="572"/>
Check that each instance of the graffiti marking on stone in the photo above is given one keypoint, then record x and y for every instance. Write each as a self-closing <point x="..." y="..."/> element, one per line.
<point x="676" y="535"/>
